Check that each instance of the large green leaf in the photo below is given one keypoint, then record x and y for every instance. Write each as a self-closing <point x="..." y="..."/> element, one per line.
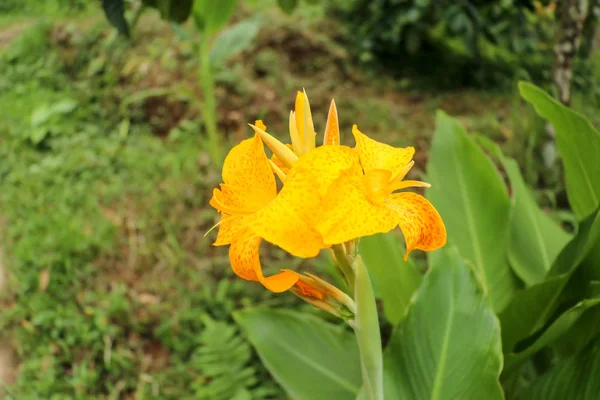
<point x="535" y="239"/>
<point x="448" y="346"/>
<point x="531" y="308"/>
<point x="574" y="378"/>
<point x="559" y="327"/>
<point x="397" y="279"/>
<point x="210" y="15"/>
<point x="310" y="358"/>
<point x="578" y="144"/>
<point x="472" y="199"/>
<point x="233" y="40"/>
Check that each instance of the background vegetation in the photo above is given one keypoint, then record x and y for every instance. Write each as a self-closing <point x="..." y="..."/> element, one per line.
<point x="113" y="290"/>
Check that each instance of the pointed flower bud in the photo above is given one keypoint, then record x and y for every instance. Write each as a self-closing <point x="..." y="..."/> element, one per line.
<point x="325" y="296"/>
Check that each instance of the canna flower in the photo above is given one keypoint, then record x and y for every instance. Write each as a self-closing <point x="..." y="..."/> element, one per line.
<point x="366" y="203"/>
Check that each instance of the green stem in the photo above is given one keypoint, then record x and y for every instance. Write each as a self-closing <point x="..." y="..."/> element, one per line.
<point x="341" y="261"/>
<point x="135" y="19"/>
<point x="368" y="334"/>
<point x="209" y="109"/>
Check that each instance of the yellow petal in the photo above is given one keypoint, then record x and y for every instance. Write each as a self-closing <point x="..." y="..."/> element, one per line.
<point x="376" y="155"/>
<point x="247" y="170"/>
<point x="419" y="221"/>
<point x="260" y="124"/>
<point x="288" y="221"/>
<point x="229" y="229"/>
<point x="282" y="166"/>
<point x="347" y="213"/>
<point x="245" y="262"/>
<point x="332" y="127"/>
<point x="286" y="155"/>
<point x="304" y="122"/>
<point x="297" y="143"/>
<point x="277" y="171"/>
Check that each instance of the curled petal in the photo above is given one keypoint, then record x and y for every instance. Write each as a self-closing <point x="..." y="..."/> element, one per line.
<point x="245" y="262"/>
<point x="376" y="155"/>
<point x="247" y="169"/>
<point x="347" y="212"/>
<point x="419" y="221"/>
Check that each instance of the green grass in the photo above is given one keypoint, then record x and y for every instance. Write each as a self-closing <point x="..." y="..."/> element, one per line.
<point x="113" y="283"/>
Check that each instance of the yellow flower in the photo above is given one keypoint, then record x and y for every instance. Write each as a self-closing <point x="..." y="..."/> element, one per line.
<point x="248" y="186"/>
<point x="363" y="204"/>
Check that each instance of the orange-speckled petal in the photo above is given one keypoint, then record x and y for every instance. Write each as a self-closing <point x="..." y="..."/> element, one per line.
<point x="419" y="221"/>
<point x="319" y="168"/>
<point x="288" y="221"/>
<point x="229" y="228"/>
<point x="347" y="213"/>
<point x="247" y="169"/>
<point x="245" y="262"/>
<point x="332" y="127"/>
<point x="376" y="155"/>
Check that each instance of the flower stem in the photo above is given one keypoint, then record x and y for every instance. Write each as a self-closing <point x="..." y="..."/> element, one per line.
<point x="209" y="110"/>
<point x="368" y="335"/>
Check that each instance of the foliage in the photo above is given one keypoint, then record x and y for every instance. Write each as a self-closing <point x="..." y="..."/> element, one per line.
<point x="310" y="358"/>
<point x="489" y="316"/>
<point x="475" y="40"/>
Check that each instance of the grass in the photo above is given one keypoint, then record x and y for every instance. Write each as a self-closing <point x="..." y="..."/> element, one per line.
<point x="114" y="290"/>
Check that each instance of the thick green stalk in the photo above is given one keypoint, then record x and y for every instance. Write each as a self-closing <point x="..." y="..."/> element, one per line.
<point x="368" y="335"/>
<point x="209" y="109"/>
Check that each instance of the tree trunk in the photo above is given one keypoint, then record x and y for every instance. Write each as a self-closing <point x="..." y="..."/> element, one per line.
<point x="572" y="17"/>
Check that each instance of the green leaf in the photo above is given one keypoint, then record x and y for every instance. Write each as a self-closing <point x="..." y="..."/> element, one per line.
<point x="575" y="377"/>
<point x="233" y="40"/>
<point x="580" y="334"/>
<point x="172" y="10"/>
<point x="554" y="332"/>
<point x="535" y="239"/>
<point x="397" y="279"/>
<point x="210" y="15"/>
<point x="288" y="6"/>
<point x="578" y="144"/>
<point x="471" y="197"/>
<point x="115" y="14"/>
<point x="531" y="308"/>
<point x="448" y="346"/>
<point x="309" y="358"/>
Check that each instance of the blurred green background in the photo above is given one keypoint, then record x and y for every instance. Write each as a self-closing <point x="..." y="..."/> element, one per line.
<point x="109" y="288"/>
